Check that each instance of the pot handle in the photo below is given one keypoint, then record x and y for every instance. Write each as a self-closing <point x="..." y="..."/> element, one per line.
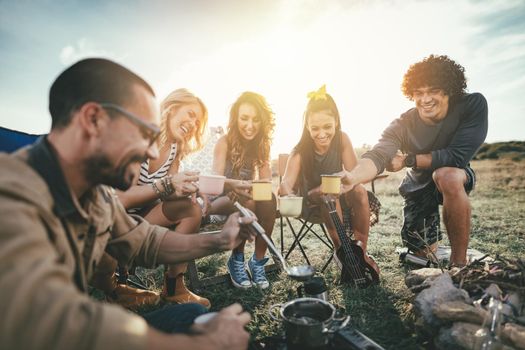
<point x="332" y="329"/>
<point x="272" y="314"/>
<point x="340" y="311"/>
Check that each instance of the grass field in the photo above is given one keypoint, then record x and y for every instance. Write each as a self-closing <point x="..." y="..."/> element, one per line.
<point x="384" y="312"/>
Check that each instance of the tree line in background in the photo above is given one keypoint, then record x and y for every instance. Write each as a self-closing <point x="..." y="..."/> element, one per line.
<point x="514" y="150"/>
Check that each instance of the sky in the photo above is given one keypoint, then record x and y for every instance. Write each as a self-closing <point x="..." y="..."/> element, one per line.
<point x="281" y="49"/>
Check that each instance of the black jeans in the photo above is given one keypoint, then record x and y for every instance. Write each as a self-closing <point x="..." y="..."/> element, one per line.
<point x="174" y="318"/>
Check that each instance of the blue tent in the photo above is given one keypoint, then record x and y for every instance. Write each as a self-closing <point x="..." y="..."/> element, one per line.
<point x="11" y="140"/>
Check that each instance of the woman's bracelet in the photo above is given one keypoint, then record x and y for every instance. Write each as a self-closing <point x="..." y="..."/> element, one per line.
<point x="168" y="185"/>
<point x="157" y="191"/>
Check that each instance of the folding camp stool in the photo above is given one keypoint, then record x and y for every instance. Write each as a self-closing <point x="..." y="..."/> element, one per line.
<point x="313" y="223"/>
<point x="308" y="224"/>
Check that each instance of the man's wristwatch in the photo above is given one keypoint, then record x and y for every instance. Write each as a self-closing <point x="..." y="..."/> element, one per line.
<point x="410" y="160"/>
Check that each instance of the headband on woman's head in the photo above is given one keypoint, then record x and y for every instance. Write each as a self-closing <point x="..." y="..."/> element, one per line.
<point x="320" y="94"/>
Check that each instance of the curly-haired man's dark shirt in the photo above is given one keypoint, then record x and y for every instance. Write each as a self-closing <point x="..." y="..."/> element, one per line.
<point x="453" y="142"/>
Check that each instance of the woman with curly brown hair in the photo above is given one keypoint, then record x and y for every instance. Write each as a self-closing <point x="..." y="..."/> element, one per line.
<point x="243" y="155"/>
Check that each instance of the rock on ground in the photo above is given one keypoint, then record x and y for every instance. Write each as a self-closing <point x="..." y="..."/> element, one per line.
<point x="461" y="336"/>
<point x="416" y="277"/>
<point x="459" y="311"/>
<point x="514" y="334"/>
<point x="441" y="290"/>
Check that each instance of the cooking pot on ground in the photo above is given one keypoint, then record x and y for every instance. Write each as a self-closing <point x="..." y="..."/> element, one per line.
<point x="308" y="322"/>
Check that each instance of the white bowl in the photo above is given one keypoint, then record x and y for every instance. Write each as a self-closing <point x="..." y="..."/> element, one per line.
<point x="290" y="206"/>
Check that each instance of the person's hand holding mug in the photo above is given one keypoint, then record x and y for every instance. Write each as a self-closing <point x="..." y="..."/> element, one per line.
<point x="226" y="329"/>
<point x="242" y="188"/>
<point x="347" y="184"/>
<point x="184" y="183"/>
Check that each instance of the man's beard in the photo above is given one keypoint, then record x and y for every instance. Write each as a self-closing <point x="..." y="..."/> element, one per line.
<point x="100" y="170"/>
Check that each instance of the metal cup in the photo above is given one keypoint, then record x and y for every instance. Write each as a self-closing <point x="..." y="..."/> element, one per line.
<point x="261" y="190"/>
<point x="330" y="184"/>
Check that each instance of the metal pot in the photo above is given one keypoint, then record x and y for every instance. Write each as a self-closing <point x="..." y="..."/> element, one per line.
<point x="308" y="322"/>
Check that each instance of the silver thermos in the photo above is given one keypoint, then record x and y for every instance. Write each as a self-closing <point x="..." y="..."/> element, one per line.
<point x="315" y="287"/>
<point x="415" y="260"/>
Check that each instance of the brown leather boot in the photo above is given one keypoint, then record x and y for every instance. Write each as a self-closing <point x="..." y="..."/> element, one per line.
<point x="175" y="291"/>
<point x="124" y="295"/>
<point x="133" y="298"/>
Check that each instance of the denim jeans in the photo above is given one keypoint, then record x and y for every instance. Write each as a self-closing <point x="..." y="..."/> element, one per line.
<point x="174" y="318"/>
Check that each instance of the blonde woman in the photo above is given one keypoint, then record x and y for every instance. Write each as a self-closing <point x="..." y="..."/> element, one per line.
<point x="162" y="192"/>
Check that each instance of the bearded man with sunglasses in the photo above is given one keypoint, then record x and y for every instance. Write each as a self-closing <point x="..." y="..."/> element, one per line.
<point x="435" y="142"/>
<point x="59" y="218"/>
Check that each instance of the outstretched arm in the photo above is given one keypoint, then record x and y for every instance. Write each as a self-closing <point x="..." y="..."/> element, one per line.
<point x="140" y="195"/>
<point x="176" y="247"/>
<point x="466" y="140"/>
<point x="293" y="167"/>
<point x="363" y="172"/>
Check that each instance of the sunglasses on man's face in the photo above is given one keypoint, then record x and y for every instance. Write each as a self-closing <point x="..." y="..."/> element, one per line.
<point x="148" y="131"/>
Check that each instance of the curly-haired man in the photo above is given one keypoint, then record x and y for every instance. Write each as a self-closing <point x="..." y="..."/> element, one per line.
<point x="435" y="141"/>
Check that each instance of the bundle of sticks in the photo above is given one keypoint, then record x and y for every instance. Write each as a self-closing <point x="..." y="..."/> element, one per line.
<point x="508" y="274"/>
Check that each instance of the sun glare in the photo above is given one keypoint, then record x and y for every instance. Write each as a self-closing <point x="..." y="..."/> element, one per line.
<point x="293" y="57"/>
<point x="279" y="48"/>
<point x="307" y="47"/>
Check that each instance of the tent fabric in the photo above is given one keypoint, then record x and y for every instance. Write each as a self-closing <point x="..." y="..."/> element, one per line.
<point x="11" y="140"/>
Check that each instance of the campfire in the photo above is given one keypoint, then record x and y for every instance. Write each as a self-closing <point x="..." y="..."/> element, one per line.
<point x="473" y="307"/>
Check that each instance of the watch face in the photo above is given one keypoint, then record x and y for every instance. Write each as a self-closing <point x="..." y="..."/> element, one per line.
<point x="410" y="161"/>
